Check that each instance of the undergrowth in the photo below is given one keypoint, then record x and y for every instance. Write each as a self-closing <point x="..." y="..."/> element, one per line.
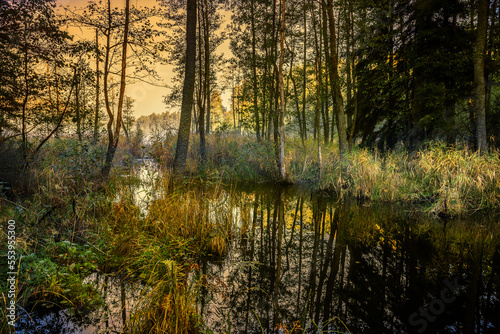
<point x="444" y="180"/>
<point x="69" y="224"/>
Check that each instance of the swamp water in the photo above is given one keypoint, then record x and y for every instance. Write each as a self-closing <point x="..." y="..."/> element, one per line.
<point x="301" y="260"/>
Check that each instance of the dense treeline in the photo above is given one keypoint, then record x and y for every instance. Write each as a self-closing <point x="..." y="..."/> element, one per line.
<point x="370" y="73"/>
<point x="53" y="84"/>
<point x="406" y="69"/>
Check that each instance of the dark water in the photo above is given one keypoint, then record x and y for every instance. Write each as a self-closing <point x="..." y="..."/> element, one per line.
<point x="120" y="297"/>
<point x="303" y="261"/>
<point x="308" y="262"/>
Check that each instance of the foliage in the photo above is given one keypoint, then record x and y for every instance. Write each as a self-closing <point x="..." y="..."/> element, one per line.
<point x="447" y="180"/>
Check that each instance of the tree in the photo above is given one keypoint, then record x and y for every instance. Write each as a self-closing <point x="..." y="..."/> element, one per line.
<point x="31" y="41"/>
<point x="335" y="80"/>
<point x="480" y="92"/>
<point x="131" y="30"/>
<point x="114" y="136"/>
<point x="128" y="118"/>
<point x="281" y="161"/>
<point x="188" y="89"/>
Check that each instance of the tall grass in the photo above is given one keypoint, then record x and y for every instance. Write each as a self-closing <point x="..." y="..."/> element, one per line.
<point x="445" y="179"/>
<point x="230" y="157"/>
<point x="70" y="225"/>
<point x="186" y="221"/>
<point x="448" y="180"/>
<point x="55" y="209"/>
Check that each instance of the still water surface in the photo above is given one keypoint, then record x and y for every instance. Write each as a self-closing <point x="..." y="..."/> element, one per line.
<point x="308" y="261"/>
<point x="303" y="260"/>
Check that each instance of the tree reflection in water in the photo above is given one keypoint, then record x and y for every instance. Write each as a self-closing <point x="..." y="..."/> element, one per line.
<point x="306" y="261"/>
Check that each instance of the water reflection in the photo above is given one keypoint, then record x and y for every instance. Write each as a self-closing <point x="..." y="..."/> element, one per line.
<point x="120" y="298"/>
<point x="306" y="261"/>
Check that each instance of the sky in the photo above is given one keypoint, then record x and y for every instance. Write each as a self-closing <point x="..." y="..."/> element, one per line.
<point x="148" y="98"/>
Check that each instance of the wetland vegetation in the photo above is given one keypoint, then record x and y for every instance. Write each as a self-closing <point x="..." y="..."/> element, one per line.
<point x="321" y="167"/>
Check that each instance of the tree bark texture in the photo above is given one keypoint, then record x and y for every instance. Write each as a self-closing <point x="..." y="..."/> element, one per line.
<point x="479" y="82"/>
<point x="335" y="82"/>
<point x="187" y="90"/>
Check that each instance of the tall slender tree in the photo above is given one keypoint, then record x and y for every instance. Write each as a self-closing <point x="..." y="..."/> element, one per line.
<point x="281" y="163"/>
<point x="187" y="90"/>
<point x="479" y="82"/>
<point x="335" y="80"/>
<point x="114" y="136"/>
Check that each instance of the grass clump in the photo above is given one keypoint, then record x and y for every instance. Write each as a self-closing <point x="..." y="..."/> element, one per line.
<point x="459" y="179"/>
<point x="161" y="248"/>
<point x="448" y="180"/>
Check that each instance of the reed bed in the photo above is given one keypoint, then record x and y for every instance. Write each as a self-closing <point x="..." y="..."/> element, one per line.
<point x="161" y="249"/>
<point x="445" y="180"/>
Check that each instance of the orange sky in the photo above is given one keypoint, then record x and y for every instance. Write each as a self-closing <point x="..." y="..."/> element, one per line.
<point x="148" y="98"/>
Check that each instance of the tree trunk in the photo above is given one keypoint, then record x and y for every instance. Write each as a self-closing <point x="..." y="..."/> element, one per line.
<point x="202" y="86"/>
<point x="254" y="72"/>
<point x="25" y="102"/>
<point x="304" y="79"/>
<point x="480" y="91"/>
<point x="207" y="64"/>
<point x="335" y="83"/>
<point x="187" y="90"/>
<point x="282" y="97"/>
<point x="96" y="117"/>
<point x="77" y="106"/>
<point x="113" y="142"/>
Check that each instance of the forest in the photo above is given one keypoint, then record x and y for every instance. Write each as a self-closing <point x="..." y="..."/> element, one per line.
<point x="308" y="153"/>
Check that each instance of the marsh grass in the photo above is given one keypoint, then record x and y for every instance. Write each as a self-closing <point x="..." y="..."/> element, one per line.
<point x="185" y="221"/>
<point x="56" y="210"/>
<point x="229" y="157"/>
<point x="69" y="225"/>
<point x="445" y="180"/>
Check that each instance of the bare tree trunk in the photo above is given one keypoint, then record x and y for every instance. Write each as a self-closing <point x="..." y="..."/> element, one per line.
<point x="304" y="77"/>
<point x="77" y="106"/>
<point x="96" y="116"/>
<point x="233" y="109"/>
<point x="107" y="101"/>
<point x="187" y="90"/>
<point x="335" y="82"/>
<point x="316" y="119"/>
<point x="254" y="72"/>
<point x="282" y="97"/>
<point x="206" y="22"/>
<point x="125" y="130"/>
<point x="113" y="142"/>
<point x="480" y="91"/>
<point x="25" y="102"/>
<point x="202" y="96"/>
